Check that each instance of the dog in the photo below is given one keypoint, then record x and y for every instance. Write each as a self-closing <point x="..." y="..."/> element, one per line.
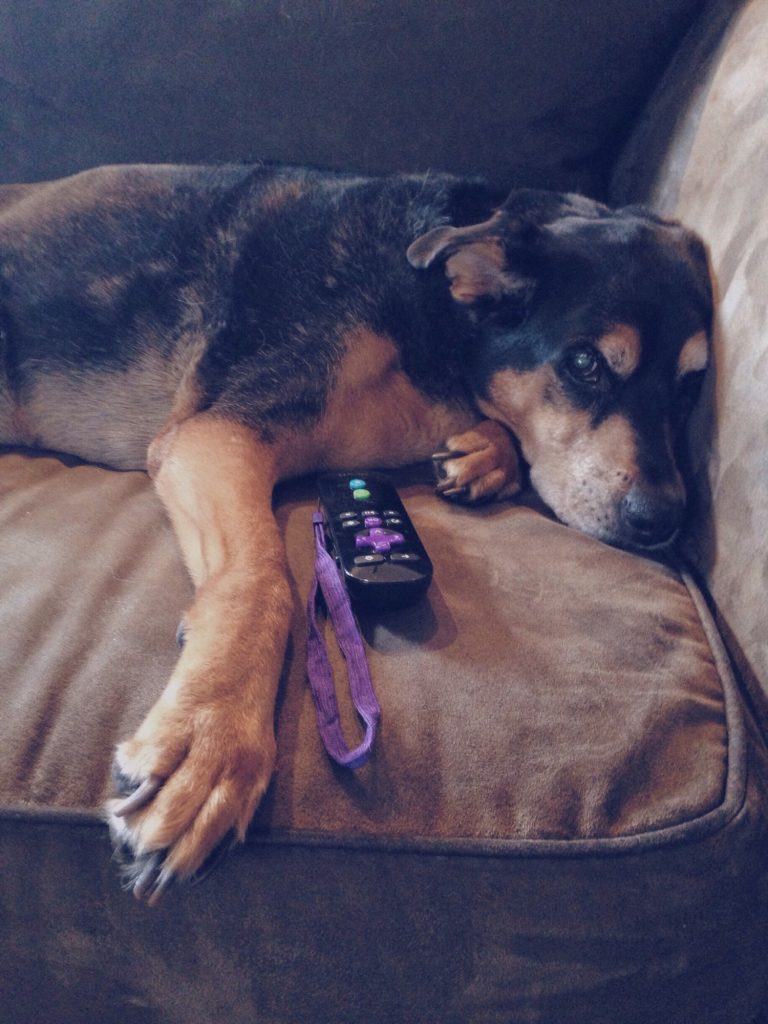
<point x="225" y="328"/>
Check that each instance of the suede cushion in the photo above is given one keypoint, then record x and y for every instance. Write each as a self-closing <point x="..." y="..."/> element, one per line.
<point x="563" y="820"/>
<point x="711" y="173"/>
<point x="470" y="679"/>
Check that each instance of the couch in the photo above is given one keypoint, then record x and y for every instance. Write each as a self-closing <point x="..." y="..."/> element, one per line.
<point x="565" y="819"/>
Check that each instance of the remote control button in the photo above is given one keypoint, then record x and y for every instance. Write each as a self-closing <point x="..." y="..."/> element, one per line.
<point x="368" y="512"/>
<point x="356" y="484"/>
<point x="404" y="556"/>
<point x="380" y="533"/>
<point x="350" y="523"/>
<point x="379" y="539"/>
<point x="348" y="515"/>
<point x="369" y="559"/>
<point x="373" y="521"/>
<point x="361" y="494"/>
<point x="394" y="520"/>
<point x="391" y="512"/>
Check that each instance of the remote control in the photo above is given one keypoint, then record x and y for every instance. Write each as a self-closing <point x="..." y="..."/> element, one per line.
<point x="373" y="540"/>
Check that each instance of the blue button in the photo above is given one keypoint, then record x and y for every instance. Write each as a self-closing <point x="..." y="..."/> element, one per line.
<point x="355" y="484"/>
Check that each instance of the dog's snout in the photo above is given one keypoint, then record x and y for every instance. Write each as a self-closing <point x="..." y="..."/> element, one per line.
<point x="651" y="518"/>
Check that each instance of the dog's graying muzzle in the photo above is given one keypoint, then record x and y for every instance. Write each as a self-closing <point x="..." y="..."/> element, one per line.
<point x="650" y="518"/>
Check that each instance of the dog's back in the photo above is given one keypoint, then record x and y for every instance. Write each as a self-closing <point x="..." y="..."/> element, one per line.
<point x="93" y="274"/>
<point x="125" y="290"/>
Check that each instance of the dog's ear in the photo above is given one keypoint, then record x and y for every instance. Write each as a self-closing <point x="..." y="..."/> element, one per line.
<point x="476" y="259"/>
<point x="690" y="249"/>
<point x="695" y="254"/>
<point x="442" y="242"/>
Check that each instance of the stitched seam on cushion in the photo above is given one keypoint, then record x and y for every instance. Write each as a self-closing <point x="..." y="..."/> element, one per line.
<point x="703" y="825"/>
<point x="699" y="827"/>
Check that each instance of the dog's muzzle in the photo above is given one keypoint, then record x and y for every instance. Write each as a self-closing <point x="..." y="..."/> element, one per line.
<point x="650" y="519"/>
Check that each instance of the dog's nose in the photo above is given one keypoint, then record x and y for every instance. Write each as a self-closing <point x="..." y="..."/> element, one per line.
<point x="651" y="518"/>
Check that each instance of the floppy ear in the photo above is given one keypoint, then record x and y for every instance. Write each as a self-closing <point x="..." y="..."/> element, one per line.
<point x="475" y="260"/>
<point x="696" y="255"/>
<point x="691" y="250"/>
<point x="423" y="252"/>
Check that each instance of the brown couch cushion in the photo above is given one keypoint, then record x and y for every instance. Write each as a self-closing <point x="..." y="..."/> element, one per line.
<point x="563" y="820"/>
<point x="550" y="688"/>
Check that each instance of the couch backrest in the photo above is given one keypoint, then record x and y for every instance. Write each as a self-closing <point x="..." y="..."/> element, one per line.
<point x="533" y="90"/>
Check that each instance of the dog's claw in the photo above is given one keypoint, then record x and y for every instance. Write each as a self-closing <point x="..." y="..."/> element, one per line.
<point x="145" y="883"/>
<point x="447" y="489"/>
<point x="148" y="876"/>
<point x="477" y="466"/>
<point x="447" y="454"/>
<point x="140" y="796"/>
<point x="162" y="880"/>
<point x="216" y="857"/>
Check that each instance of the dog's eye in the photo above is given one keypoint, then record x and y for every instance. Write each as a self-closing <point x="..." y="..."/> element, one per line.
<point x="585" y="365"/>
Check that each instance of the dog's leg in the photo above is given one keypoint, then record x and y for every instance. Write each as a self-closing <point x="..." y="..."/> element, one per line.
<point x="203" y="757"/>
<point x="479" y="464"/>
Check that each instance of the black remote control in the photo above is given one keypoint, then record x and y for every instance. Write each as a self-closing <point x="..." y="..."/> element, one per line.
<point x="373" y="540"/>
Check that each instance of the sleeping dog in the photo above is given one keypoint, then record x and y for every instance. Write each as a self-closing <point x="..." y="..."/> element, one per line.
<point x="226" y="328"/>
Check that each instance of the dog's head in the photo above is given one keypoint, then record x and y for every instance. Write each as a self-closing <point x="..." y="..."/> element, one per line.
<point x="593" y="333"/>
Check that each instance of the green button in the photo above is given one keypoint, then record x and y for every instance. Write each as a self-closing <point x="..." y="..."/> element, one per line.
<point x="360" y="494"/>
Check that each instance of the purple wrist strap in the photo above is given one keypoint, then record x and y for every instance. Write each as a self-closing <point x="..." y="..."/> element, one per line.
<point x="329" y="581"/>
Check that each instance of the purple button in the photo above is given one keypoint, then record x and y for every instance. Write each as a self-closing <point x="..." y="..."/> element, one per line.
<point x="372" y="521"/>
<point x="379" y="539"/>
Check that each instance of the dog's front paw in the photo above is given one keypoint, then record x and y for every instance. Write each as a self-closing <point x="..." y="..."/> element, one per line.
<point x="191" y="779"/>
<point x="478" y="465"/>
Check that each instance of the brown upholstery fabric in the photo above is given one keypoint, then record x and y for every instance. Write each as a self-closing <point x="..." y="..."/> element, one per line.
<point x="564" y="818"/>
<point x="480" y="696"/>
<point x="469" y="678"/>
<point x="299" y="934"/>
<point x="711" y="173"/>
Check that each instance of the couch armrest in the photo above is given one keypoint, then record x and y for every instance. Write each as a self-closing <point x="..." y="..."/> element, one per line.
<point x="700" y="153"/>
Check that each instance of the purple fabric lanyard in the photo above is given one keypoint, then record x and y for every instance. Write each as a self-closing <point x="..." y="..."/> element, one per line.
<point x="329" y="581"/>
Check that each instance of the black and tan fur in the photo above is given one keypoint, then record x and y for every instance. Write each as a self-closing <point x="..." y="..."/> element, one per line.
<point x="226" y="328"/>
